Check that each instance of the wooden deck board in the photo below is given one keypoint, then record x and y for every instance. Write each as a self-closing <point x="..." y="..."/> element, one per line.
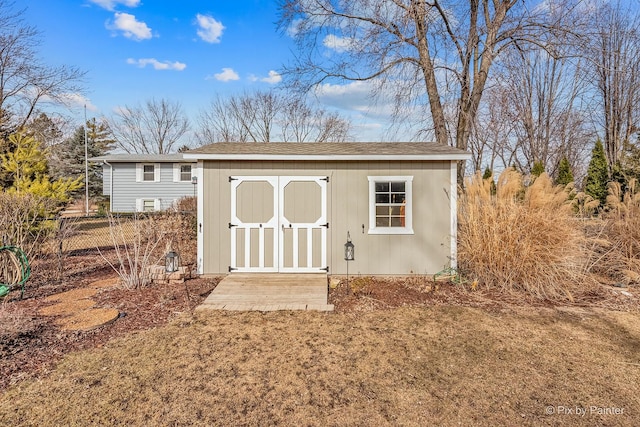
<point x="269" y="292"/>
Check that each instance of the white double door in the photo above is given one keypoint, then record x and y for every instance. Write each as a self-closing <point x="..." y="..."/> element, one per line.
<point x="278" y="224"/>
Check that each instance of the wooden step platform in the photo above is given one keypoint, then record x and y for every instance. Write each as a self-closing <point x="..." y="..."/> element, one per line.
<point x="269" y="292"/>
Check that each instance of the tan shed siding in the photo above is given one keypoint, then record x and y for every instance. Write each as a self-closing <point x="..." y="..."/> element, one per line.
<point x="426" y="251"/>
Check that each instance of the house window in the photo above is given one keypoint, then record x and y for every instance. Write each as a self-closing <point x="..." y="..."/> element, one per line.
<point x="148" y="172"/>
<point x="148" y="205"/>
<point x="185" y="173"/>
<point x="390" y="205"/>
<point x="182" y="172"/>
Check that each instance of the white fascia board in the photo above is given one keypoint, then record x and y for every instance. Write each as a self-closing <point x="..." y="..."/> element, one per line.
<point x="337" y="157"/>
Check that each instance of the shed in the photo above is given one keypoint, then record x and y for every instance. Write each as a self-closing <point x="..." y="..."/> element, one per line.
<point x="291" y="207"/>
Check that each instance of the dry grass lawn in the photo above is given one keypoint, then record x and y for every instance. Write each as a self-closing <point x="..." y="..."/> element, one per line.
<point x="440" y="365"/>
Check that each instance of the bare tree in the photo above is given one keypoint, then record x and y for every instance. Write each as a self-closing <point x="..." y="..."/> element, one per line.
<point x="410" y="47"/>
<point x="613" y="49"/>
<point x="25" y="81"/>
<point x="303" y="123"/>
<point x="152" y="128"/>
<point x="545" y="95"/>
<point x="266" y="117"/>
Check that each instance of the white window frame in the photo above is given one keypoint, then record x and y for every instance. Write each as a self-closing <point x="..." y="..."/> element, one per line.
<point x="140" y="172"/>
<point x="140" y="204"/>
<point x="177" y="173"/>
<point x="408" y="210"/>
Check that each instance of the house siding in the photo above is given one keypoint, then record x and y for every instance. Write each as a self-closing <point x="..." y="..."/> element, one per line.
<point x="425" y="252"/>
<point x="126" y="190"/>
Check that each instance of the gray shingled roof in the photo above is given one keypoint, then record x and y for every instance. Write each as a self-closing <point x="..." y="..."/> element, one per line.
<point x="346" y="150"/>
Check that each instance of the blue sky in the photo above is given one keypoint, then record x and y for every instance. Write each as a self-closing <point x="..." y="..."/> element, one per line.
<point x="187" y="51"/>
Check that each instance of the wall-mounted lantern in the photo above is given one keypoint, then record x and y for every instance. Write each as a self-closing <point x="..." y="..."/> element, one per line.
<point x="349" y="249"/>
<point x="171" y="262"/>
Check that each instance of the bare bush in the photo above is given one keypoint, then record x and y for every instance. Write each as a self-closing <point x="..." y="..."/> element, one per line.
<point x="523" y="238"/>
<point x="142" y="241"/>
<point x="20" y="221"/>
<point x="136" y="244"/>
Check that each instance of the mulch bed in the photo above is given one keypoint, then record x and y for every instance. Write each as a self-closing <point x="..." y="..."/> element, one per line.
<point x="31" y="344"/>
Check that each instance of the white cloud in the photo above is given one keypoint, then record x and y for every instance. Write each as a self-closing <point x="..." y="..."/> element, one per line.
<point x="130" y="26"/>
<point x="157" y="65"/>
<point x="110" y="4"/>
<point x="226" y="75"/>
<point x="339" y="44"/>
<point x="295" y="27"/>
<point x="274" y="77"/>
<point x="350" y="96"/>
<point x="72" y="100"/>
<point x="209" y="30"/>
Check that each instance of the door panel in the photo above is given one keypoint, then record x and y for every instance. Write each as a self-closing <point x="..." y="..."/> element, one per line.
<point x="254" y="219"/>
<point x="278" y="224"/>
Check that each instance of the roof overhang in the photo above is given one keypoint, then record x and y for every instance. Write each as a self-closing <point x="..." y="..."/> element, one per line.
<point x="329" y="157"/>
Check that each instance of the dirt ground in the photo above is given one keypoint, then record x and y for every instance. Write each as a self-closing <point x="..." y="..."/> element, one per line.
<point x="395" y="349"/>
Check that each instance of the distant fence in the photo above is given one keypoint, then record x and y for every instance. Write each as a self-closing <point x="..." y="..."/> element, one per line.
<point x="84" y="234"/>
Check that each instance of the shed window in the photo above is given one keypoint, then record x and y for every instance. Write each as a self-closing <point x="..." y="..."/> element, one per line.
<point x="390" y="205"/>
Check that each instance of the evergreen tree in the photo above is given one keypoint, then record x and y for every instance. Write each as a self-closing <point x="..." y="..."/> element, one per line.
<point x="100" y="136"/>
<point x="69" y="159"/>
<point x="537" y="169"/>
<point x="597" y="175"/>
<point x="488" y="175"/>
<point x="44" y="130"/>
<point x="27" y="165"/>
<point x="565" y="176"/>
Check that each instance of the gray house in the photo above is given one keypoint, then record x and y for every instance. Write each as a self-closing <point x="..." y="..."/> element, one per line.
<point x="146" y="182"/>
<point x="291" y="207"/>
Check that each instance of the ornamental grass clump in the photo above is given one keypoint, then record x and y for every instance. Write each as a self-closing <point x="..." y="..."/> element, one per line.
<point x="620" y="258"/>
<point x="523" y="238"/>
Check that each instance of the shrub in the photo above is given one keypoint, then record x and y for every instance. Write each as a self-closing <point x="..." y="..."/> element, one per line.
<point x="522" y="239"/>
<point x="20" y="221"/>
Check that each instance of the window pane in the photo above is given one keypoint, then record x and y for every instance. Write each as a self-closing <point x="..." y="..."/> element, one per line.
<point x="397" y="187"/>
<point x="394" y="210"/>
<point x="382" y="210"/>
<point x="382" y="187"/>
<point x="382" y="198"/>
<point x="397" y="222"/>
<point x="397" y="198"/>
<point x="382" y="221"/>
<point x="148" y="205"/>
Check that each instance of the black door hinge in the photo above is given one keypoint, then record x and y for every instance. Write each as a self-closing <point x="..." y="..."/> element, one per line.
<point x="325" y="269"/>
<point x="232" y="225"/>
<point x="231" y="269"/>
<point x="326" y="178"/>
<point x="324" y="225"/>
<point x="232" y="179"/>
